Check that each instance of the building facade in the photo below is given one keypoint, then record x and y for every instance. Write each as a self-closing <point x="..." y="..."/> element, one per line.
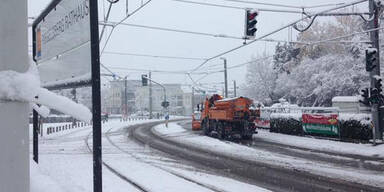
<point x="179" y="98"/>
<point x="120" y="97"/>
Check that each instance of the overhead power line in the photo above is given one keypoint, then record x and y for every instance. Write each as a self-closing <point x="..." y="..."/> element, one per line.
<point x="152" y="70"/>
<point x="283" y="5"/>
<point x="154" y="56"/>
<point x="121" y="21"/>
<point x="277" y="30"/>
<point x="241" y="8"/>
<point x="194" y="32"/>
<point x="265" y="9"/>
<point x="172" y="30"/>
<point x="345" y="36"/>
<point x="218" y="70"/>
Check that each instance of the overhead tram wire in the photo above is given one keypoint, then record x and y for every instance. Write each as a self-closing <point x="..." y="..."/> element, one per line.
<point x="121" y="21"/>
<point x="146" y="70"/>
<point x="240" y="8"/>
<point x="282" y="5"/>
<point x="113" y="28"/>
<point x="219" y="70"/>
<point x="154" y="56"/>
<point x="259" y="9"/>
<point x="345" y="36"/>
<point x="195" y="32"/>
<point x="212" y="71"/>
<point x="173" y="30"/>
<point x="277" y="30"/>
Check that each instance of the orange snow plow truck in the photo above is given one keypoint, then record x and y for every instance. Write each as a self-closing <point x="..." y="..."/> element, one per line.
<point x="228" y="118"/>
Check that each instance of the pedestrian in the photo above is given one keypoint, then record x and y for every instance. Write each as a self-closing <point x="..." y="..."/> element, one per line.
<point x="166" y="119"/>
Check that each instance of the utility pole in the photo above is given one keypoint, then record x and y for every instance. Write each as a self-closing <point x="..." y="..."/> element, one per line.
<point x="374" y="36"/>
<point x="14" y="115"/>
<point x="125" y="96"/>
<point x="74" y="96"/>
<point x="150" y="96"/>
<point x="225" y="78"/>
<point x="234" y="88"/>
<point x="193" y="100"/>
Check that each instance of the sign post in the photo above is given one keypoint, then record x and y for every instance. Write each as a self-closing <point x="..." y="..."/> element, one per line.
<point x="96" y="98"/>
<point x="66" y="50"/>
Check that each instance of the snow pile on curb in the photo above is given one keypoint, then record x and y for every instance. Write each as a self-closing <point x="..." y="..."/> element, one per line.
<point x="322" y="145"/>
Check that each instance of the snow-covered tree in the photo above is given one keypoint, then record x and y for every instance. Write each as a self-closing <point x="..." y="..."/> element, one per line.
<point x="261" y="79"/>
<point x="311" y="75"/>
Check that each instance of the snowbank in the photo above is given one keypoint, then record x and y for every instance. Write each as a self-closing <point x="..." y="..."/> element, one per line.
<point x="322" y="144"/>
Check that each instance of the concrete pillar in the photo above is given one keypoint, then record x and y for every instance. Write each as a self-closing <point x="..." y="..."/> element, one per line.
<point x="14" y="140"/>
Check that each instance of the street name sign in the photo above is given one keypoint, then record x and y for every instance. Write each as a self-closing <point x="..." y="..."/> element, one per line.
<point x="62" y="45"/>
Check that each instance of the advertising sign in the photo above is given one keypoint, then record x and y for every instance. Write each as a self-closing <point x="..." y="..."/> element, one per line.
<point x="326" y="124"/>
<point x="62" y="47"/>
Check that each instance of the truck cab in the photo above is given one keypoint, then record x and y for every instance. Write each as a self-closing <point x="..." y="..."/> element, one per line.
<point x="196" y="121"/>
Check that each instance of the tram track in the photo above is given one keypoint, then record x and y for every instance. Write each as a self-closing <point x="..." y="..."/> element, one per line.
<point x="116" y="172"/>
<point x="108" y="135"/>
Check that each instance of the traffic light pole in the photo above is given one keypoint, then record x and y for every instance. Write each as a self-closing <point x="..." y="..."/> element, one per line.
<point x="162" y="86"/>
<point x="377" y="116"/>
<point x="150" y="96"/>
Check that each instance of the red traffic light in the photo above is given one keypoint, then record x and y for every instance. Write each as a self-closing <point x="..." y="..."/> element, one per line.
<point x="250" y="23"/>
<point x="252" y="15"/>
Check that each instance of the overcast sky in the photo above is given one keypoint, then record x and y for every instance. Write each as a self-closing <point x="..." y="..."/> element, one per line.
<point x="191" y="17"/>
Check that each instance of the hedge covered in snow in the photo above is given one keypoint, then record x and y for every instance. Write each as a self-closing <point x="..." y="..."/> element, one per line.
<point x="352" y="126"/>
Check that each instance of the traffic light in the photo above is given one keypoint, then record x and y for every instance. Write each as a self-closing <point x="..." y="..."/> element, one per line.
<point x="365" y="95"/>
<point x="370" y="58"/>
<point x="375" y="96"/>
<point x="165" y="104"/>
<point x="378" y="85"/>
<point x="144" y="80"/>
<point x="250" y="23"/>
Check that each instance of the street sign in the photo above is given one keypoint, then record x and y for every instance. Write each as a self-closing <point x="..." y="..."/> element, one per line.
<point x="165" y="104"/>
<point x="326" y="124"/>
<point x="66" y="49"/>
<point x="62" y="44"/>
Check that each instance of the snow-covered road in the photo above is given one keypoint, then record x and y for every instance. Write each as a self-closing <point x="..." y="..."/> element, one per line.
<point x="341" y="174"/>
<point x="129" y="166"/>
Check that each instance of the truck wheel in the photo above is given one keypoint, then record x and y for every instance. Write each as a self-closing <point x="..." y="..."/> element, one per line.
<point x="205" y="127"/>
<point x="220" y="131"/>
<point x="246" y="137"/>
